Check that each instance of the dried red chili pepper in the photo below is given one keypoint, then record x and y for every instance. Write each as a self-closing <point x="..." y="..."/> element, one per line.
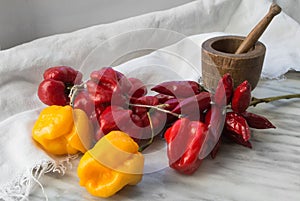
<point x="144" y="100"/>
<point x="236" y="138"/>
<point x="179" y="89"/>
<point x="241" y="97"/>
<point x="57" y="83"/>
<point x="108" y="86"/>
<point x="185" y="139"/>
<point x="112" y="118"/>
<point x="224" y="89"/>
<point x="215" y="150"/>
<point x="162" y="98"/>
<point x="138" y="89"/>
<point x="257" y="121"/>
<point x="194" y="106"/>
<point x="237" y="124"/>
<point x="65" y="74"/>
<point x="83" y="102"/>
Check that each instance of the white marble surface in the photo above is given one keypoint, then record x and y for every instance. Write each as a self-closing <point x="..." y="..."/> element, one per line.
<point x="270" y="171"/>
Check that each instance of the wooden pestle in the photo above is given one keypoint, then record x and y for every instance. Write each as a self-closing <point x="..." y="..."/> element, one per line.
<point x="258" y="30"/>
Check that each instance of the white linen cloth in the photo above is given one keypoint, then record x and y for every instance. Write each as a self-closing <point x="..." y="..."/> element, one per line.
<point x="21" y="70"/>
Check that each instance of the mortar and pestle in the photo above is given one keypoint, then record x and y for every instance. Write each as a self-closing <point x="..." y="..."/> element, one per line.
<point x="242" y="57"/>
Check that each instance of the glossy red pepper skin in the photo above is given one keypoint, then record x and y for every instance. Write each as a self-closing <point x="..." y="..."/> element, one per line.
<point x="236" y="138"/>
<point x="65" y="74"/>
<point x="179" y="89"/>
<point x="113" y="118"/>
<point x="237" y="124"/>
<point x="216" y="149"/>
<point x="57" y="83"/>
<point x="185" y="139"/>
<point x="224" y="90"/>
<point x="52" y="92"/>
<point x="144" y="100"/>
<point x="241" y="97"/>
<point x="257" y="121"/>
<point x="82" y="101"/>
<point x="194" y="106"/>
<point x="162" y="98"/>
<point x="108" y="86"/>
<point x="138" y="89"/>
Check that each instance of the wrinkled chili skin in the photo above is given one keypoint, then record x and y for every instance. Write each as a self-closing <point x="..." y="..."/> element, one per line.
<point x="224" y="90"/>
<point x="189" y="106"/>
<point x="236" y="138"/>
<point x="237" y="124"/>
<point x="179" y="89"/>
<point x="185" y="139"/>
<point x="241" y="97"/>
<point x="257" y="121"/>
<point x="57" y="83"/>
<point x="65" y="74"/>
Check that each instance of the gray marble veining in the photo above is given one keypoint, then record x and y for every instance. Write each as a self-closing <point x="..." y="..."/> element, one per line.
<point x="270" y="171"/>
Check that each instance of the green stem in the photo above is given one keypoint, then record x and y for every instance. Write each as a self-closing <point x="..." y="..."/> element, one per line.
<point x="144" y="146"/>
<point x="256" y="101"/>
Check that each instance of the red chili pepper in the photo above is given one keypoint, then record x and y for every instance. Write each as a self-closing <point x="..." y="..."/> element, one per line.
<point x="237" y="124"/>
<point x="57" y="83"/>
<point x="215" y="150"/>
<point x="83" y="102"/>
<point x="144" y="100"/>
<point x="236" y="138"/>
<point x="65" y="74"/>
<point x="185" y="139"/>
<point x="179" y="89"/>
<point x="162" y="98"/>
<point x="257" y="121"/>
<point x="224" y="90"/>
<point x="194" y="106"/>
<point x="241" y="97"/>
<point x="138" y="89"/>
<point x="113" y="118"/>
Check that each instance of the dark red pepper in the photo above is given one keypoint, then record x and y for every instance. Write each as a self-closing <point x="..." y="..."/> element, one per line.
<point x="257" y="121"/>
<point x="241" y="97"/>
<point x="194" y="106"/>
<point x="144" y="100"/>
<point x="185" y="139"/>
<point x="65" y="74"/>
<point x="236" y="138"/>
<point x="224" y="90"/>
<point x="237" y="124"/>
<point x="57" y="83"/>
<point x="162" y="98"/>
<point x="138" y="89"/>
<point x="82" y="101"/>
<point x="112" y="118"/>
<point x="179" y="89"/>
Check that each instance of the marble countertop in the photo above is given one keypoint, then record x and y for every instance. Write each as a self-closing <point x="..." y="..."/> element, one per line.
<point x="269" y="171"/>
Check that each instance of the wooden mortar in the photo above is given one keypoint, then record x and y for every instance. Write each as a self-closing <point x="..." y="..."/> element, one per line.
<point x="242" y="57"/>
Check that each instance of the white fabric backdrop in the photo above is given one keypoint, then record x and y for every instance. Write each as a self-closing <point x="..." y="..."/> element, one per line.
<point x="21" y="67"/>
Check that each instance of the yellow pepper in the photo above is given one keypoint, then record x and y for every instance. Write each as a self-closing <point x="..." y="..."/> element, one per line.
<point x="111" y="164"/>
<point x="61" y="130"/>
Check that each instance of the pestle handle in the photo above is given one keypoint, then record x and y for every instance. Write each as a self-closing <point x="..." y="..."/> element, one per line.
<point x="258" y="30"/>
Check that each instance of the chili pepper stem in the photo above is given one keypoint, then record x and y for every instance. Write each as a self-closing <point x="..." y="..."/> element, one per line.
<point x="157" y="107"/>
<point x="74" y="91"/>
<point x="144" y="146"/>
<point x="256" y="101"/>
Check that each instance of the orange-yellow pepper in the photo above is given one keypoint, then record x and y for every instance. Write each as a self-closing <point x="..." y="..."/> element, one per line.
<point x="61" y="130"/>
<point x="111" y="164"/>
